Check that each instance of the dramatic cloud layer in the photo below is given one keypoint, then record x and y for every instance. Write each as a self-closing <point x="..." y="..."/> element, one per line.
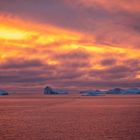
<point x="70" y="44"/>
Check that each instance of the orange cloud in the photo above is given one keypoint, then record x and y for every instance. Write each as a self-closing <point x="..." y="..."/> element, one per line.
<point x="16" y="30"/>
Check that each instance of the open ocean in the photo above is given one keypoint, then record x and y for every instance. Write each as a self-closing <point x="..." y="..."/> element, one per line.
<point x="67" y="117"/>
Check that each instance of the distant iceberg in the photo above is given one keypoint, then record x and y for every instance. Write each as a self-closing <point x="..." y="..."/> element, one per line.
<point x="115" y="91"/>
<point x="91" y="93"/>
<point x="110" y="91"/>
<point x="132" y="91"/>
<point x="123" y="91"/>
<point x="3" y="92"/>
<point x="49" y="90"/>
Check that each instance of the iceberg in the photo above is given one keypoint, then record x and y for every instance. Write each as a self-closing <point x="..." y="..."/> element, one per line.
<point x="115" y="91"/>
<point x="91" y="93"/>
<point x="49" y="90"/>
<point x="132" y="91"/>
<point x="3" y="92"/>
<point x="123" y="91"/>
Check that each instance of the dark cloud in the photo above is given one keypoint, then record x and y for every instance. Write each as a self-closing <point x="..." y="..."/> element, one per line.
<point x="74" y="54"/>
<point x="98" y="84"/>
<point x="18" y="63"/>
<point x="73" y="78"/>
<point x="108" y="62"/>
<point x="134" y="63"/>
<point x="118" y="69"/>
<point x="116" y="72"/>
<point x="77" y="58"/>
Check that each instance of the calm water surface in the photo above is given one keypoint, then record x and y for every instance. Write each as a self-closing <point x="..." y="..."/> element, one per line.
<point x="70" y="118"/>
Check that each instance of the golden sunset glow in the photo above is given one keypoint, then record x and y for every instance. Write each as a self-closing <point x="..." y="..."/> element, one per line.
<point x="7" y="33"/>
<point x="52" y="39"/>
<point x="33" y="34"/>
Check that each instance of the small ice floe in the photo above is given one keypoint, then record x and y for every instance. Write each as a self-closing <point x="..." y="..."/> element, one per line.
<point x="3" y="92"/>
<point x="49" y="90"/>
<point x="91" y="93"/>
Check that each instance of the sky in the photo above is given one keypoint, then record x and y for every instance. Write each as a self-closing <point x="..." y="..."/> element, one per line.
<point x="69" y="44"/>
